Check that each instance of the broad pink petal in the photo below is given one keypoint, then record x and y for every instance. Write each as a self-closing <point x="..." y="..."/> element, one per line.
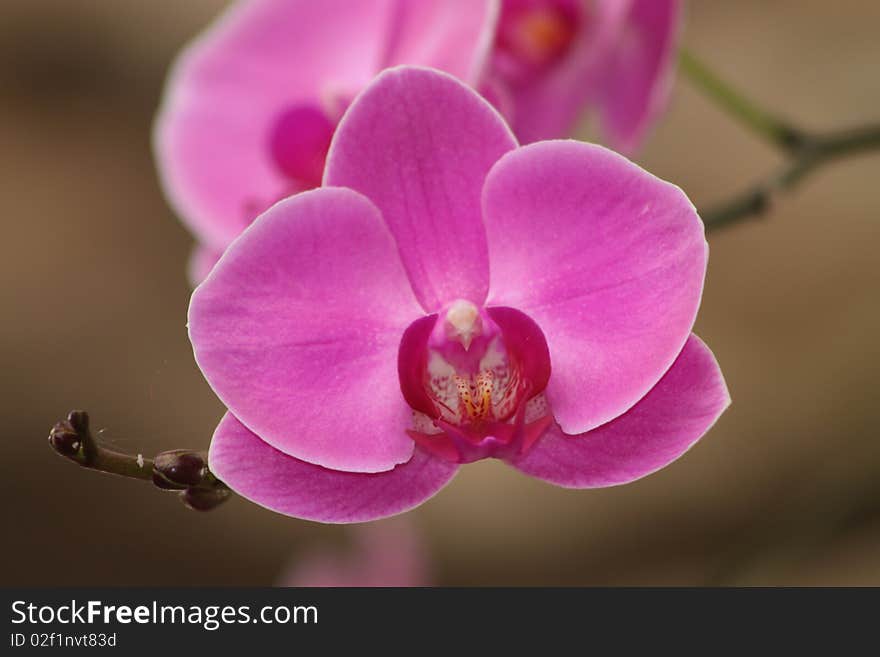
<point x="450" y="35"/>
<point x="606" y="258"/>
<point x="673" y="416"/>
<point x="297" y="330"/>
<point x="638" y="73"/>
<point x="295" y="488"/>
<point x="419" y="143"/>
<point x="227" y="90"/>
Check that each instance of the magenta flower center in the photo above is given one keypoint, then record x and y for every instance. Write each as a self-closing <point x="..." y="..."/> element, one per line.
<point x="474" y="378"/>
<point x="533" y="35"/>
<point x="470" y="376"/>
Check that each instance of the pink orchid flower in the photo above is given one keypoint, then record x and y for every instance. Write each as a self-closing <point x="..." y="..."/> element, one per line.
<point x="448" y="296"/>
<point x="552" y="59"/>
<point x="251" y="105"/>
<point x="387" y="553"/>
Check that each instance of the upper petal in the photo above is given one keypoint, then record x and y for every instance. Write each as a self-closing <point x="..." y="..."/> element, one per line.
<point x="606" y="258"/>
<point x="637" y="73"/>
<point x="287" y="485"/>
<point x="661" y="427"/>
<point x="297" y="329"/>
<point x="451" y="35"/>
<point x="227" y="89"/>
<point x="419" y="143"/>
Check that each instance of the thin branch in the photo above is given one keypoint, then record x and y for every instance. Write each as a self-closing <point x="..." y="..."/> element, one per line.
<point x="814" y="152"/>
<point x="806" y="151"/>
<point x="183" y="471"/>
<point x="771" y="128"/>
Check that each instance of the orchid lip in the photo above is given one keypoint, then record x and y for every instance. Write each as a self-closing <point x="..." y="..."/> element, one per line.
<point x="474" y="377"/>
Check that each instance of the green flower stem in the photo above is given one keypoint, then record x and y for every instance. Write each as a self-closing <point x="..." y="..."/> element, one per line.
<point x="771" y="128"/>
<point x="815" y="152"/>
<point x="806" y="152"/>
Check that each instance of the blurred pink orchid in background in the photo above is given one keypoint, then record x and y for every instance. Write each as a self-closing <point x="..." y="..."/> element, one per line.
<point x="448" y="296"/>
<point x="251" y="106"/>
<point x="385" y="553"/>
<point x="554" y="59"/>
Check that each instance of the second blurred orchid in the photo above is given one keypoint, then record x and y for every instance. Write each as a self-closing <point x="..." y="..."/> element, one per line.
<point x="554" y="59"/>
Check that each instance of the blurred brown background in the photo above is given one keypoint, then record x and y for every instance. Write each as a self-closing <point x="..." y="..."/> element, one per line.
<point x="785" y="489"/>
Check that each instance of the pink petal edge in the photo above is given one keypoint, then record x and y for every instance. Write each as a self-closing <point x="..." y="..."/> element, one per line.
<point x="201" y="262"/>
<point x="670" y="419"/>
<point x="281" y="483"/>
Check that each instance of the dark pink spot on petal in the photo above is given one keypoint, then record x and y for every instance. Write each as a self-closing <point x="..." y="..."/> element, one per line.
<point x="299" y="141"/>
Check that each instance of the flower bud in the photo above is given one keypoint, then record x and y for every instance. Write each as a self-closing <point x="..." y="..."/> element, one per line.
<point x="161" y="482"/>
<point x="204" y="499"/>
<point x="179" y="467"/>
<point x="79" y="421"/>
<point x="65" y="441"/>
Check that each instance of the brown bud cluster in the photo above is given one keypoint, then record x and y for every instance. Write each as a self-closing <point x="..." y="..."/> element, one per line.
<point x="70" y="437"/>
<point x="186" y="471"/>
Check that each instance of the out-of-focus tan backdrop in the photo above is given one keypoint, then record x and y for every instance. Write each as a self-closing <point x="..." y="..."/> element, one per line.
<point x="784" y="490"/>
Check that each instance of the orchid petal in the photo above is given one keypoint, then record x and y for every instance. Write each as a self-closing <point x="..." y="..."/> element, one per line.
<point x="673" y="416"/>
<point x="607" y="259"/>
<point x="418" y="143"/>
<point x="297" y="330"/>
<point x="201" y="262"/>
<point x="295" y="488"/>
